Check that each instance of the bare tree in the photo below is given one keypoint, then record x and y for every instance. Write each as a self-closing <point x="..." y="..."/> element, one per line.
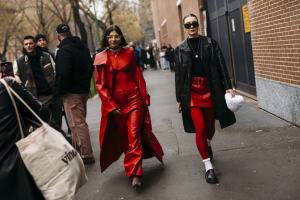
<point x="107" y="19"/>
<point x="62" y="10"/>
<point x="10" y="21"/>
<point x="39" y="17"/>
<point x="76" y="8"/>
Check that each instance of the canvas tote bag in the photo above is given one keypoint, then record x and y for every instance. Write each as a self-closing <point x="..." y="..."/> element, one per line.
<point x="54" y="164"/>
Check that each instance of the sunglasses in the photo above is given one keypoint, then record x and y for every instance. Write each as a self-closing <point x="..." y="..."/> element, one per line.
<point x="194" y="24"/>
<point x="117" y="37"/>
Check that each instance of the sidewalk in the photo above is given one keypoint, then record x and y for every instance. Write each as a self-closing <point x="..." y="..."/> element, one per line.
<point x="259" y="159"/>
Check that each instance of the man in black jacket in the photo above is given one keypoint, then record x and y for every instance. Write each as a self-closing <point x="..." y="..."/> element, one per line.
<point x="74" y="73"/>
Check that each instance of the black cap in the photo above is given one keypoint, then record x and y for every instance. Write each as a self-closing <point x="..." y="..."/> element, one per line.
<point x="62" y="28"/>
<point x="39" y="36"/>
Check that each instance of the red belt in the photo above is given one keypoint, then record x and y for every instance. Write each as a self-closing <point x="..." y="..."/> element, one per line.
<point x="126" y="91"/>
<point x="199" y="80"/>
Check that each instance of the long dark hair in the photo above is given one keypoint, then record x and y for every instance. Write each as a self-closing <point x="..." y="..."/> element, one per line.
<point x="111" y="28"/>
<point x="170" y="46"/>
<point x="189" y="15"/>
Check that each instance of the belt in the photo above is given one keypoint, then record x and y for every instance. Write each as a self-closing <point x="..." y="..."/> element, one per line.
<point x="199" y="80"/>
<point x="126" y="91"/>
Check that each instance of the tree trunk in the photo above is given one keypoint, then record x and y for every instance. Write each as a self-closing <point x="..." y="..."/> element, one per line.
<point x="91" y="34"/>
<point x="80" y="24"/>
<point x="2" y="55"/>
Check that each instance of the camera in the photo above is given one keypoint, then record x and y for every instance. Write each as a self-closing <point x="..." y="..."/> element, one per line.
<point x="7" y="69"/>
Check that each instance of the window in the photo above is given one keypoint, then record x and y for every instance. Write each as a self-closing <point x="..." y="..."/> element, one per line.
<point x="164" y="30"/>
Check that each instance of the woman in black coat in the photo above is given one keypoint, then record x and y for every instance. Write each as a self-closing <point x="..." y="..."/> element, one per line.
<point x="170" y="56"/>
<point x="144" y="56"/>
<point x="151" y="60"/>
<point x="136" y="55"/>
<point x="15" y="180"/>
<point x="201" y="80"/>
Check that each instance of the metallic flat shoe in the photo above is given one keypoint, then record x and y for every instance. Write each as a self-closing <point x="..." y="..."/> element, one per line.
<point x="136" y="185"/>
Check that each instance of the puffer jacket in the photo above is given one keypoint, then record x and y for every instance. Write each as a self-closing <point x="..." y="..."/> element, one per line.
<point x="217" y="77"/>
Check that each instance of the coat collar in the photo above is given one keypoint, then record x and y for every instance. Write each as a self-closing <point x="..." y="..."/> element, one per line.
<point x="125" y="56"/>
<point x="102" y="59"/>
<point x="205" y="43"/>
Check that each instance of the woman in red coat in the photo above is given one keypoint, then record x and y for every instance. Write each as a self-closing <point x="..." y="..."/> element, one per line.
<point x="125" y="122"/>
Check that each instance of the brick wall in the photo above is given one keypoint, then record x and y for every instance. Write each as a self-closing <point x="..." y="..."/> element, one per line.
<point x="275" y="32"/>
<point x="167" y="9"/>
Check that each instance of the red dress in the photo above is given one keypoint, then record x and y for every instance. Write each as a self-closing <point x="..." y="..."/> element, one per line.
<point x="130" y="132"/>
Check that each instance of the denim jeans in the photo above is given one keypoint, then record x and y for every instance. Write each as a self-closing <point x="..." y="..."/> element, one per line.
<point x="166" y="65"/>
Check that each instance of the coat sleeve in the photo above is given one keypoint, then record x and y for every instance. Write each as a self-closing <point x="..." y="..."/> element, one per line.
<point x="64" y="62"/>
<point x="30" y="100"/>
<point x="177" y="74"/>
<point x="108" y="103"/>
<point x="221" y="61"/>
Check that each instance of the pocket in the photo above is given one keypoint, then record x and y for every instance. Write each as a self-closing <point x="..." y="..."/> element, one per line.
<point x="76" y="114"/>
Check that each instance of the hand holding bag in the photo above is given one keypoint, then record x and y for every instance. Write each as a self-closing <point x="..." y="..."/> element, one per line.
<point x="54" y="164"/>
<point x="234" y="103"/>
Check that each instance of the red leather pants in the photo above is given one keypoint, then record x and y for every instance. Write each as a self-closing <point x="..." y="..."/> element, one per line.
<point x="129" y="125"/>
<point x="203" y="114"/>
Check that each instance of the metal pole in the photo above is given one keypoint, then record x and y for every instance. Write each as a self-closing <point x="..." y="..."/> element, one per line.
<point x="96" y="21"/>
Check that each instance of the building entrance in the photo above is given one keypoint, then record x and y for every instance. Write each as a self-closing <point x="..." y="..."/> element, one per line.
<point x="228" y="24"/>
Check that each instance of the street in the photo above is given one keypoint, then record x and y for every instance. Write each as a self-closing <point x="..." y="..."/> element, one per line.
<point x="257" y="158"/>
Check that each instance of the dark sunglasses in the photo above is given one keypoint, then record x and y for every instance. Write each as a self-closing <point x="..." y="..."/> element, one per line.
<point x="188" y="25"/>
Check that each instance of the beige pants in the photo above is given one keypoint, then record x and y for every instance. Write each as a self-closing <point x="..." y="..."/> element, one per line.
<point x="75" y="107"/>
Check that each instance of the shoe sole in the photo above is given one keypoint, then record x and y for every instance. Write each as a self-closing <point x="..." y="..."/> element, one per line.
<point x="89" y="163"/>
<point x="212" y="181"/>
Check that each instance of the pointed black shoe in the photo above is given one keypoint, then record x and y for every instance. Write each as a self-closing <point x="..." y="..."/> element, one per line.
<point x="210" y="152"/>
<point x="211" y="177"/>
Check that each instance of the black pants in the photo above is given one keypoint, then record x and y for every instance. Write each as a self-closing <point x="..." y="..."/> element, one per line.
<point x="172" y="66"/>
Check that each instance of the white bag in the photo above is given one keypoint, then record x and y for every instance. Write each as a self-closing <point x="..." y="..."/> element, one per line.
<point x="234" y="103"/>
<point x="56" y="167"/>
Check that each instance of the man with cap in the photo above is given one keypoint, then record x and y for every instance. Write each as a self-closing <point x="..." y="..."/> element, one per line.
<point x="74" y="72"/>
<point x="43" y="42"/>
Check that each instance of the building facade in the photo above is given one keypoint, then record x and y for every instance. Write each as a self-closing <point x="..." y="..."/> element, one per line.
<point x="260" y="41"/>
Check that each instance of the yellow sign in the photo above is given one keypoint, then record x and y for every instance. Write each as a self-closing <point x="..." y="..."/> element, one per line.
<point x="246" y="18"/>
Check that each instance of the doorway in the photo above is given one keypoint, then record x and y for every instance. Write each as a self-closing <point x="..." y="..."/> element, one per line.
<point x="226" y="16"/>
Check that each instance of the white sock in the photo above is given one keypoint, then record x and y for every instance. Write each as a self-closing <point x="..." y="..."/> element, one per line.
<point x="208" y="142"/>
<point x="207" y="163"/>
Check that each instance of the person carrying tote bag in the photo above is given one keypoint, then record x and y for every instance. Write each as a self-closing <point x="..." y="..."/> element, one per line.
<point x="15" y="180"/>
<point x="54" y="164"/>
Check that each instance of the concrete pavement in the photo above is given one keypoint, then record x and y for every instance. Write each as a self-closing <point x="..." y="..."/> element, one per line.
<point x="249" y="165"/>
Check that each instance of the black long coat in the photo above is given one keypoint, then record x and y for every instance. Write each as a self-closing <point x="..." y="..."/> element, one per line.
<point x="15" y="180"/>
<point x="217" y="77"/>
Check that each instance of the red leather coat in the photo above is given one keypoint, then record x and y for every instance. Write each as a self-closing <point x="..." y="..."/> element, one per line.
<point x="110" y="144"/>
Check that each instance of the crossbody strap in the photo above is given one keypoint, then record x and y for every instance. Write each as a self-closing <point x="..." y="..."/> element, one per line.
<point x="15" y="106"/>
<point x="42" y="122"/>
